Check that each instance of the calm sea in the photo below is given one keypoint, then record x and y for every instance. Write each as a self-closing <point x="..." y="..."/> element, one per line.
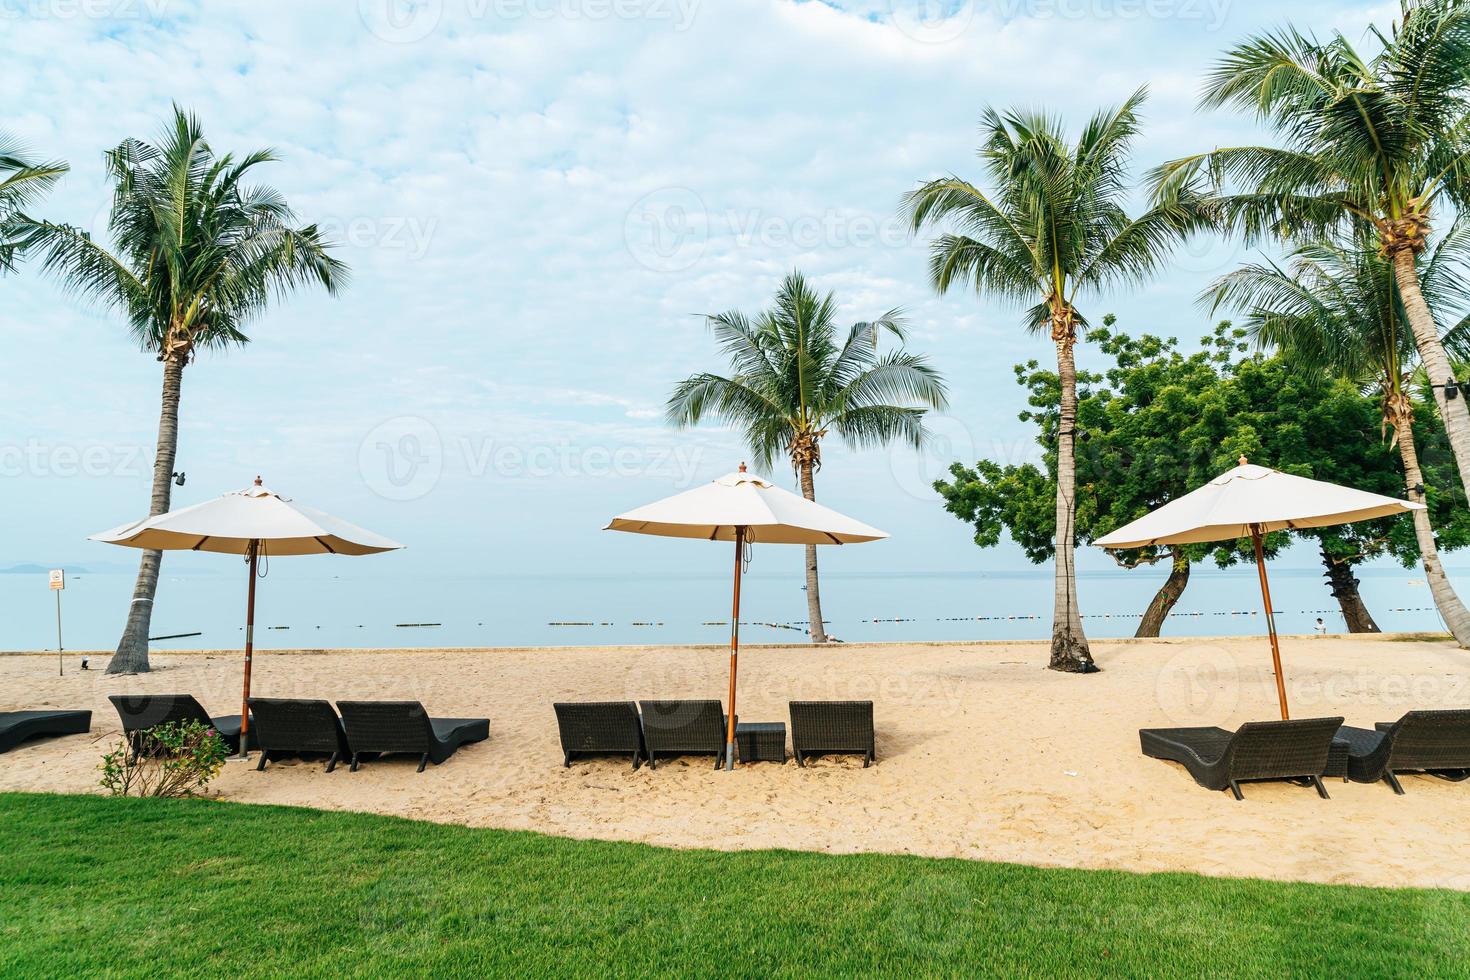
<point x="305" y="605"/>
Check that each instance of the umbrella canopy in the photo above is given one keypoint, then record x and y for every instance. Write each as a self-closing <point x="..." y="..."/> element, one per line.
<point x="254" y="522"/>
<point x="1253" y="498"/>
<point x="231" y="522"/>
<point x="743" y="508"/>
<point x="1250" y="502"/>
<point x="767" y="513"/>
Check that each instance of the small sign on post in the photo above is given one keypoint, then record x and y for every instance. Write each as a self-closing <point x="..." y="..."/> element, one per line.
<point x="58" y="583"/>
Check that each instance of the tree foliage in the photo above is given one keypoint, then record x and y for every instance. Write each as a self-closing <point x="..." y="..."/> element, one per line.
<point x="1157" y="424"/>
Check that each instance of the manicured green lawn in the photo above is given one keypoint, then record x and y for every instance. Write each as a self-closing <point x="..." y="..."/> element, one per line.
<point x="139" y="887"/>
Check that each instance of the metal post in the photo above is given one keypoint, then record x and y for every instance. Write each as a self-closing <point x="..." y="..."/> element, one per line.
<point x="734" y="648"/>
<point x="60" y="668"/>
<point x="1270" y="620"/>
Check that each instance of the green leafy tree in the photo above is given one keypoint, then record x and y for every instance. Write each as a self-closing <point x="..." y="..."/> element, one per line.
<point x="22" y="182"/>
<point x="795" y="379"/>
<point x="1368" y="141"/>
<point x="1052" y="228"/>
<point x="1157" y="425"/>
<point x="197" y="253"/>
<point x="1150" y="428"/>
<point x="1335" y="308"/>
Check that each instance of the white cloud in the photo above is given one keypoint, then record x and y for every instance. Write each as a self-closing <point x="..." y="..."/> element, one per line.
<point x="537" y="208"/>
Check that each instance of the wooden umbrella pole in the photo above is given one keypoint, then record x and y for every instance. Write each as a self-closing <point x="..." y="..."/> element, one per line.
<point x="1270" y="619"/>
<point x="249" y="650"/>
<point x="734" y="648"/>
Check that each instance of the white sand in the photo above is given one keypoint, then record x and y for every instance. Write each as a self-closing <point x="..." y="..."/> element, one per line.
<point x="982" y="754"/>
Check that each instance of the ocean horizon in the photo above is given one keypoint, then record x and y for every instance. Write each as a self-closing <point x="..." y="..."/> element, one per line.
<point x="316" y="605"/>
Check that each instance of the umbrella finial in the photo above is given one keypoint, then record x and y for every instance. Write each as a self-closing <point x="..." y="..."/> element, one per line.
<point x="257" y="480"/>
<point x="1243" y="460"/>
<point x="742" y="467"/>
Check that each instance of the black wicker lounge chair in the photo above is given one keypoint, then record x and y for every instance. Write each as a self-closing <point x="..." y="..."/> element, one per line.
<point x="287" y="726"/>
<point x="383" y="727"/>
<point x="140" y="712"/>
<point x="832" y="728"/>
<point x="683" y="728"/>
<point x="17" y="726"/>
<point x="1436" y="743"/>
<point x="600" y="728"/>
<point x="1261" y="751"/>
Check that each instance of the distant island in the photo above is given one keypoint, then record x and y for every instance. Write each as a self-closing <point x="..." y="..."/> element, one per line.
<point x="30" y="568"/>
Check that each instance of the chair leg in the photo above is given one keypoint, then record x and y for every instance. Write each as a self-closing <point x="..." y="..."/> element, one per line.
<point x="1451" y="775"/>
<point x="637" y="761"/>
<point x="1321" y="790"/>
<point x="1235" y="789"/>
<point x="260" y="766"/>
<point x="566" y="760"/>
<point x="800" y="764"/>
<point x="423" y="761"/>
<point x="353" y="767"/>
<point x="868" y="760"/>
<point x="332" y="762"/>
<point x="652" y="762"/>
<point x="1393" y="781"/>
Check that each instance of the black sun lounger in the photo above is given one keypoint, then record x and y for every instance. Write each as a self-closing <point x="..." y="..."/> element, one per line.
<point x="1260" y="751"/>
<point x="17" y="726"/>
<point x="833" y="728"/>
<point x="140" y="712"/>
<point x="600" y="728"/>
<point x="1433" y="742"/>
<point x="683" y="728"/>
<point x="382" y="727"/>
<point x="287" y="726"/>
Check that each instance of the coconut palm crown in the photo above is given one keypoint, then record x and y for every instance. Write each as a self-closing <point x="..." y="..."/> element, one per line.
<point x="1052" y="228"/>
<point x="1373" y="142"/>
<point x="22" y="182"/>
<point x="796" y="378"/>
<point x="197" y="253"/>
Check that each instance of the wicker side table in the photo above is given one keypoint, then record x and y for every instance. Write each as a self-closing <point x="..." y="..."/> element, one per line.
<point x="761" y="741"/>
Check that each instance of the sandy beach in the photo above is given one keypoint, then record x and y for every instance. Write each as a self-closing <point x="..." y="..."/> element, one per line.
<point x="982" y="753"/>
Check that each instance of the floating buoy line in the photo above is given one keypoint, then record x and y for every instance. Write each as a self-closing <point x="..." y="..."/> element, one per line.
<point x="802" y="626"/>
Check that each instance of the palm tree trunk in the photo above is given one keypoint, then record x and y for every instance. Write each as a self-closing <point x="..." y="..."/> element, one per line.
<point x="1069" y="649"/>
<point x="1451" y="609"/>
<point x="131" y="656"/>
<point x="1345" y="590"/>
<point x="1453" y="411"/>
<point x="813" y="592"/>
<point x="1166" y="598"/>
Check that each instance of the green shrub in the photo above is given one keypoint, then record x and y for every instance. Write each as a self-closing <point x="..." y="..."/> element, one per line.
<point x="178" y="758"/>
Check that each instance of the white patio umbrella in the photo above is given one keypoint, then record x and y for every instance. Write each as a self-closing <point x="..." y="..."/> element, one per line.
<point x="745" y="509"/>
<point x="1250" y="502"/>
<point x="254" y="522"/>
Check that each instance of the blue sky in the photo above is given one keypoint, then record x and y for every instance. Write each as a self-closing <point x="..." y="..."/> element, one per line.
<point x="537" y="198"/>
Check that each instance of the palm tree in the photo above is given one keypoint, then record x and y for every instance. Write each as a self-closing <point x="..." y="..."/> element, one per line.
<point x="22" y="181"/>
<point x="1053" y="227"/>
<point x="793" y="381"/>
<point x="1376" y="142"/>
<point x="1337" y="308"/>
<point x="197" y="252"/>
